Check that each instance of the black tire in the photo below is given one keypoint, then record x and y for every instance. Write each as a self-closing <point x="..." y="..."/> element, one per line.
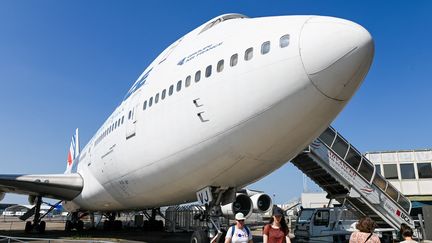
<point x="199" y="236"/>
<point x="41" y="227"/>
<point x="118" y="225"/>
<point x="68" y="226"/>
<point x="107" y="225"/>
<point x="28" y="227"/>
<point x="159" y="225"/>
<point x="80" y="225"/>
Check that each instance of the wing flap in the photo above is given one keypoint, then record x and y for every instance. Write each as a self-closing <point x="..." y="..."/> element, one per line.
<point x="57" y="186"/>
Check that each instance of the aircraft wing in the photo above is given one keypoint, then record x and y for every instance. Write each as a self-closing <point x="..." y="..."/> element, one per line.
<point x="57" y="186"/>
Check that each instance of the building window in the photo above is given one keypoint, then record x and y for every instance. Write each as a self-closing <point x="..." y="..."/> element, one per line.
<point x="407" y="171"/>
<point x="171" y="90"/>
<point x="284" y="41"/>
<point x="130" y="115"/>
<point x="378" y="169"/>
<point x="248" y="54"/>
<point x="187" y="81"/>
<point x="424" y="170"/>
<point x="390" y="171"/>
<point x="265" y="47"/>
<point x="220" y="66"/>
<point x="145" y="105"/>
<point x="197" y="76"/>
<point x="163" y="94"/>
<point x="122" y="119"/>
<point x="208" y="71"/>
<point x="179" y="85"/>
<point x="234" y="60"/>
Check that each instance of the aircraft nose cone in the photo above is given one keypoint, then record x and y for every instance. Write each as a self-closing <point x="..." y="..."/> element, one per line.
<point x="336" y="55"/>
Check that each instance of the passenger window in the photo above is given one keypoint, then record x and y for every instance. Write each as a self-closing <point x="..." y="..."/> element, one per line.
<point x="151" y="102"/>
<point x="171" y="90"/>
<point x="179" y="85"/>
<point x="284" y="41"/>
<point x="197" y="76"/>
<point x="265" y="47"/>
<point x="145" y="105"/>
<point x="234" y="60"/>
<point x="248" y="54"/>
<point x="163" y="94"/>
<point x="220" y="66"/>
<point x="157" y="98"/>
<point x="208" y="71"/>
<point x="187" y="81"/>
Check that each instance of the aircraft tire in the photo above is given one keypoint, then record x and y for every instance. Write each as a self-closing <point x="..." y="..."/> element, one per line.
<point x="80" y="225"/>
<point x="117" y="225"/>
<point x="199" y="236"/>
<point x="41" y="227"/>
<point x="28" y="227"/>
<point x="68" y="226"/>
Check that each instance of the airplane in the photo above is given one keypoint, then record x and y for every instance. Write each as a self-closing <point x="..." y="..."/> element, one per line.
<point x="220" y="108"/>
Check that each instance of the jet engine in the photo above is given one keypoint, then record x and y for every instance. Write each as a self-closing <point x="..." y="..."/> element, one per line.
<point x="261" y="202"/>
<point x="242" y="204"/>
<point x="2" y="195"/>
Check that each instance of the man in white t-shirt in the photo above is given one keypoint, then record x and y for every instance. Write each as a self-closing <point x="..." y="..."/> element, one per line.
<point x="241" y="232"/>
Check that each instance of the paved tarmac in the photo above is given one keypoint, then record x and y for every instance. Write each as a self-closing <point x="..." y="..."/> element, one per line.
<point x="55" y="230"/>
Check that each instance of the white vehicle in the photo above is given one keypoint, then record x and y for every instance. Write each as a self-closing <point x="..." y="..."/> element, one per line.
<point x="324" y="225"/>
<point x="220" y="108"/>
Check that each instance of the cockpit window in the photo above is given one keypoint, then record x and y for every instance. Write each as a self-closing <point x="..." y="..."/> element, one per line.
<point x="222" y="19"/>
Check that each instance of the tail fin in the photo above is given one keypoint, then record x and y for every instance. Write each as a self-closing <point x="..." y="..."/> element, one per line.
<point x="74" y="151"/>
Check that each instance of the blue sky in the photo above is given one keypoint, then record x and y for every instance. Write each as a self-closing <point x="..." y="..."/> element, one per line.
<point x="67" y="64"/>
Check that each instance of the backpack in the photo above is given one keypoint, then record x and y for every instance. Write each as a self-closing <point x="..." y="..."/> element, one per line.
<point x="233" y="229"/>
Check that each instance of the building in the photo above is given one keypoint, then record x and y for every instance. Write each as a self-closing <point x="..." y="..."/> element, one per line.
<point x="410" y="171"/>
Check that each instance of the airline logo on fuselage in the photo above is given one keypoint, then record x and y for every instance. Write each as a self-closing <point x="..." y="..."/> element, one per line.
<point x="198" y="53"/>
<point x="138" y="84"/>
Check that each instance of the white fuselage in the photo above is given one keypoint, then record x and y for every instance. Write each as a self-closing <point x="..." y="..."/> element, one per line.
<point x="231" y="128"/>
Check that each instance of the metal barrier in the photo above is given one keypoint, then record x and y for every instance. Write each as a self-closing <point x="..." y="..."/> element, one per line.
<point x="180" y="218"/>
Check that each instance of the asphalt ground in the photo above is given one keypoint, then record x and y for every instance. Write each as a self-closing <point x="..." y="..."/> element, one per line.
<point x="12" y="227"/>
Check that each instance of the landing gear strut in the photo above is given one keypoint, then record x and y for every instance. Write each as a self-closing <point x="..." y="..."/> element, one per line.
<point x="38" y="225"/>
<point x="212" y="214"/>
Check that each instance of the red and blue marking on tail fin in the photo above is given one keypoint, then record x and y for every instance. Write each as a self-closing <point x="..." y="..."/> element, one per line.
<point x="73" y="153"/>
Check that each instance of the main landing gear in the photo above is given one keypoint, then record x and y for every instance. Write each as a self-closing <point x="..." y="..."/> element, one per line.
<point x="38" y="225"/>
<point x="111" y="223"/>
<point x="151" y="224"/>
<point x="74" y="223"/>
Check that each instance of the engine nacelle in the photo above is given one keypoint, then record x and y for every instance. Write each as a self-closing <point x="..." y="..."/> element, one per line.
<point x="2" y="195"/>
<point x="261" y="202"/>
<point x="242" y="204"/>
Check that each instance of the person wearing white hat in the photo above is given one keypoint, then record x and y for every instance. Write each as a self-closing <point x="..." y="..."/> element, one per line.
<point x="239" y="233"/>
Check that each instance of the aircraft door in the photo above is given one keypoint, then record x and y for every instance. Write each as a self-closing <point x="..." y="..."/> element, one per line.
<point x="131" y="115"/>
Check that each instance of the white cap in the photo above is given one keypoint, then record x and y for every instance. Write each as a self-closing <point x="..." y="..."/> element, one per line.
<point x="239" y="216"/>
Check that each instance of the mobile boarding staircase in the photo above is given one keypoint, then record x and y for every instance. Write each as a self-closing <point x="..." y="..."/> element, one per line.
<point x="350" y="178"/>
